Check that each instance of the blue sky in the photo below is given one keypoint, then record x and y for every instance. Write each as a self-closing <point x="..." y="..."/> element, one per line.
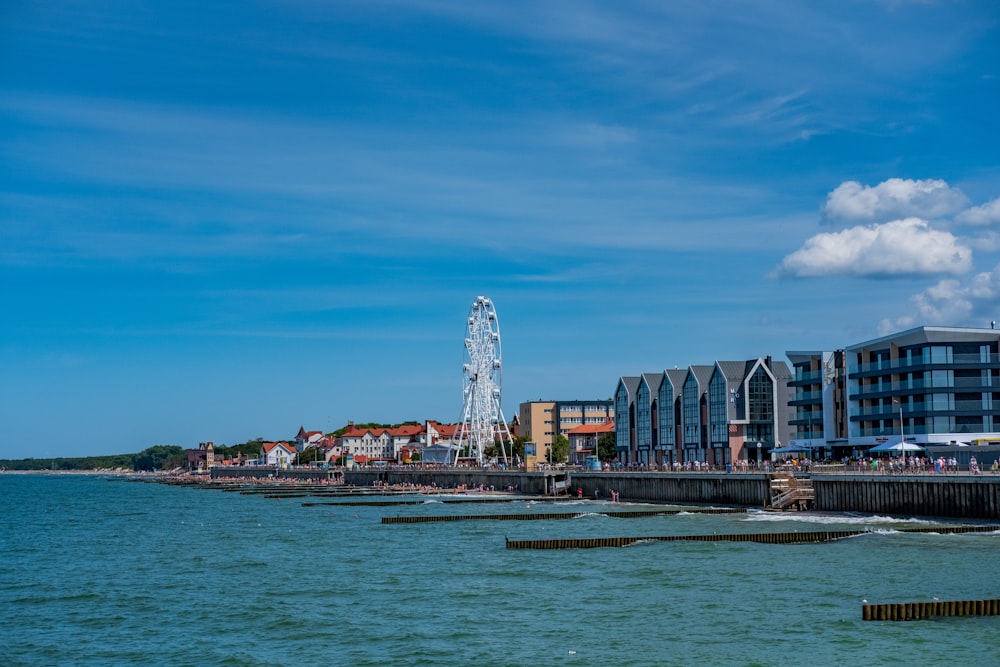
<point x="220" y="221"/>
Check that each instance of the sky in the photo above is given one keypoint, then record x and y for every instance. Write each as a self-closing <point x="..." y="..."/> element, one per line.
<point x="223" y="221"/>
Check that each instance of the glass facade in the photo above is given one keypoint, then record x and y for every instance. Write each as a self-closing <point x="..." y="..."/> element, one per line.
<point x="932" y="387"/>
<point x="691" y="419"/>
<point x="760" y="406"/>
<point x="718" y="416"/>
<point x="665" y="415"/>
<point x="622" y="435"/>
<point x="643" y="418"/>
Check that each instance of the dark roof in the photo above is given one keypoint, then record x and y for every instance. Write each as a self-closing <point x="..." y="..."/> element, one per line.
<point x="631" y="384"/>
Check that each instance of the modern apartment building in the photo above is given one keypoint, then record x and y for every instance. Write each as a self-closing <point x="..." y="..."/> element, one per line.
<point x="819" y="402"/>
<point x="937" y="387"/>
<point x="929" y="385"/>
<point x="542" y="421"/>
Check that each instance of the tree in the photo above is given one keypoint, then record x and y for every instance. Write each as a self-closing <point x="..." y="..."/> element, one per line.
<point x="606" y="450"/>
<point x="517" y="447"/>
<point x="158" y="457"/>
<point x="560" y="449"/>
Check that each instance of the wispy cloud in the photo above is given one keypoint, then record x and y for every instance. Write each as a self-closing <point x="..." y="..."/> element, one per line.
<point x="986" y="214"/>
<point x="951" y="302"/>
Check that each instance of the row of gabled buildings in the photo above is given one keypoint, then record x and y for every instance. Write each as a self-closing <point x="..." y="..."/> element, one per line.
<point x="936" y="388"/>
<point x="715" y="414"/>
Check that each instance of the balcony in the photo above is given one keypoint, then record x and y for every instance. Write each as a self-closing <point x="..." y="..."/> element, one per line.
<point x="895" y="364"/>
<point x="808" y="376"/>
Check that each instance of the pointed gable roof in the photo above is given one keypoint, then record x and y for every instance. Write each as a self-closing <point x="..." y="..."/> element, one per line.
<point x="735" y="371"/>
<point x="268" y="446"/>
<point x="653" y="381"/>
<point x="702" y="375"/>
<point x="631" y="384"/>
<point x="676" y="377"/>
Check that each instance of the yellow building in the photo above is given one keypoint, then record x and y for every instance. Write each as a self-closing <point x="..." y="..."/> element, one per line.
<point x="542" y="421"/>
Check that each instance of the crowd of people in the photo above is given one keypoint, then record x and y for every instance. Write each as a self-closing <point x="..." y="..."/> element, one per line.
<point x="918" y="464"/>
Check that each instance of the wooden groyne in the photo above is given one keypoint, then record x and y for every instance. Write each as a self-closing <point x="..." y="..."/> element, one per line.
<point x="550" y="516"/>
<point x="444" y="501"/>
<point x="912" y="611"/>
<point x="759" y="538"/>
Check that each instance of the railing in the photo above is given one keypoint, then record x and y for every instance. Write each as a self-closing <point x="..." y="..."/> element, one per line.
<point x="923" y="360"/>
<point x="791" y="491"/>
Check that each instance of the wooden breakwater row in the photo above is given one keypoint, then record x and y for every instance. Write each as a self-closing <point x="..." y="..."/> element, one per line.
<point x="546" y="516"/>
<point x="444" y="501"/>
<point x="272" y="472"/>
<point x="912" y="611"/>
<point x="758" y="538"/>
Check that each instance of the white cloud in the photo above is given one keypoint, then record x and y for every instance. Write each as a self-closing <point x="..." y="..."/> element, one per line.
<point x="953" y="303"/>
<point x="895" y="198"/>
<point x="987" y="214"/>
<point x="898" y="248"/>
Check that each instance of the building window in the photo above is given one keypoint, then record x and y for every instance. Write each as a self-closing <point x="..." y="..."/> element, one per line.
<point x="941" y="354"/>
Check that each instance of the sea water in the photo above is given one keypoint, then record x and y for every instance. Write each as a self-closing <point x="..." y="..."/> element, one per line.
<point x="109" y="572"/>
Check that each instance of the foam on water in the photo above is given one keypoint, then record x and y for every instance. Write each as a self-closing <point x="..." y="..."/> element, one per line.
<point x="831" y="519"/>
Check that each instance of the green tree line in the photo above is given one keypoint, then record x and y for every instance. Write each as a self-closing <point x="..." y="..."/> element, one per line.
<point x="157" y="457"/>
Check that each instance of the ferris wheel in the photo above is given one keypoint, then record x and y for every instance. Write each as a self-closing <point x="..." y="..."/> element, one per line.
<point x="483" y="424"/>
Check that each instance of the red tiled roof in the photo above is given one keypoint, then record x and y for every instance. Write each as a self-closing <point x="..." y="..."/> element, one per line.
<point x="268" y="446"/>
<point x="606" y="427"/>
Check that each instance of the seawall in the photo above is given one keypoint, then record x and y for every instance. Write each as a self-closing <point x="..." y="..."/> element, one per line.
<point x="957" y="496"/>
<point x="961" y="496"/>
<point x="530" y="483"/>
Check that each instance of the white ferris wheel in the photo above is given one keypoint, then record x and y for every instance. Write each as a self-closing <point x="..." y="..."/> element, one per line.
<point x="483" y="424"/>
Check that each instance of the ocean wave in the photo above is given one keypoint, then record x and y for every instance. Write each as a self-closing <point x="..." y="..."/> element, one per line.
<point x="833" y="519"/>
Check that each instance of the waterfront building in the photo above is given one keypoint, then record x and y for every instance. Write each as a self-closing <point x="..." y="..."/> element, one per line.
<point x="694" y="412"/>
<point x="202" y="458"/>
<point x="934" y="386"/>
<point x="669" y="416"/>
<point x="712" y="414"/>
<point x="541" y="421"/>
<point x="583" y="441"/>
<point x="279" y="454"/>
<point x="305" y="439"/>
<point x="625" y="408"/>
<point x="748" y="410"/>
<point x="819" y="403"/>
<point x="370" y="443"/>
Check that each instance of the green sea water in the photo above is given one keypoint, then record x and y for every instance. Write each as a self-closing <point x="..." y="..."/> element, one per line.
<point x="109" y="572"/>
